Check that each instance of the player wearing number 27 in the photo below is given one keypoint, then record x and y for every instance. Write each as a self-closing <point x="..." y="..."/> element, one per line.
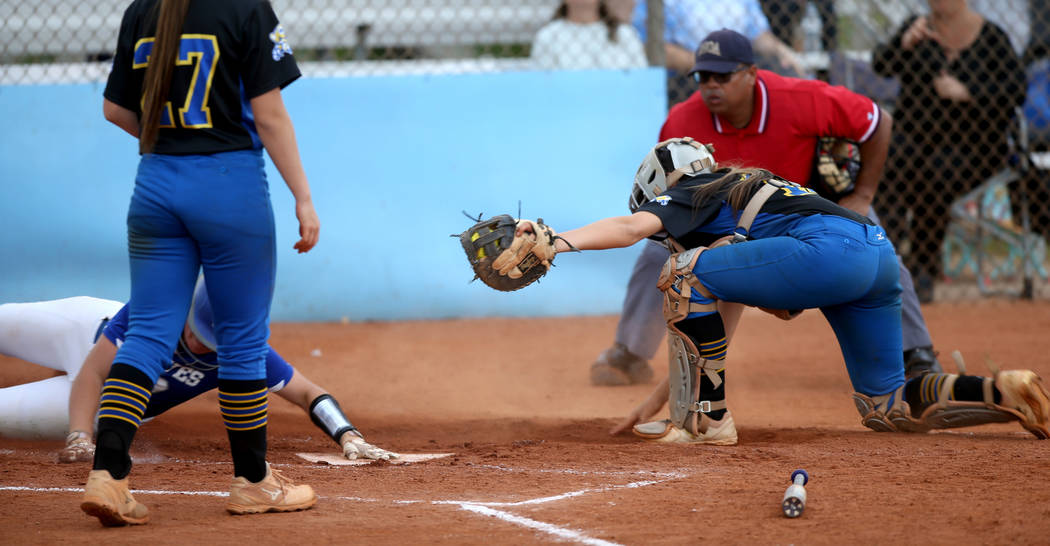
<point x="199" y="84"/>
<point x="744" y="236"/>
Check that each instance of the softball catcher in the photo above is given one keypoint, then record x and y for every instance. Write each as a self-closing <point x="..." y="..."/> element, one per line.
<point x="744" y="236"/>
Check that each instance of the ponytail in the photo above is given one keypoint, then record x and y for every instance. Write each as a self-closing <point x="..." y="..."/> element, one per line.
<point x="157" y="82"/>
<point x="738" y="180"/>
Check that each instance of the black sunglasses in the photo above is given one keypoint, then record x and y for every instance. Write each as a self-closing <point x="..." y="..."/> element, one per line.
<point x="719" y="77"/>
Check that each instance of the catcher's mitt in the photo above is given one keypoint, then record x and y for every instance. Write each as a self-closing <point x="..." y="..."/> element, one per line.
<point x="503" y="260"/>
<point x="835" y="167"/>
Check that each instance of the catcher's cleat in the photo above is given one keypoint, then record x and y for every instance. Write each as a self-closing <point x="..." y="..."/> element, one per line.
<point x="1024" y="394"/>
<point x="718" y="433"/>
<point x="920" y="361"/>
<point x="617" y="366"/>
<point x="111" y="502"/>
<point x="1023" y="398"/>
<point x="274" y="493"/>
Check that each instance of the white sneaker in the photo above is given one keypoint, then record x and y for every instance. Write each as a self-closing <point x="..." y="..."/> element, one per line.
<point x="718" y="433"/>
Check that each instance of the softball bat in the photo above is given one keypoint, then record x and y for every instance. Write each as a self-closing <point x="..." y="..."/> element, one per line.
<point x="795" y="496"/>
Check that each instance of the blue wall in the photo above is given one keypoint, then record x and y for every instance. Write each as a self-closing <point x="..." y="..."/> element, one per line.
<point x="392" y="161"/>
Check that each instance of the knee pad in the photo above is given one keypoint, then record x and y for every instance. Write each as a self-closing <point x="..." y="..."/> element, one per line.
<point x="676" y="281"/>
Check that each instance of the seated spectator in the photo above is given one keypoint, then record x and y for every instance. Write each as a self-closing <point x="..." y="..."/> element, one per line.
<point x="960" y="83"/>
<point x="584" y="34"/>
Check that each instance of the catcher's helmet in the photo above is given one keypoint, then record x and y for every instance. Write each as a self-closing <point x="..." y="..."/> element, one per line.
<point x="665" y="164"/>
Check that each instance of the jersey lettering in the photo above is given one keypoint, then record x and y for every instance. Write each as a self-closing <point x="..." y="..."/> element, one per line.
<point x="201" y="51"/>
<point x="187" y="376"/>
<point x="791" y="189"/>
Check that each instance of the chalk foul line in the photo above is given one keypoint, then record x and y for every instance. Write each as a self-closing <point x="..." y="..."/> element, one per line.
<point x="485" y="508"/>
<point x="550" y="529"/>
<point x="133" y="491"/>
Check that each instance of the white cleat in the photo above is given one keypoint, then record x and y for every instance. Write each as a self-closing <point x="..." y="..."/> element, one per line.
<point x="718" y="433"/>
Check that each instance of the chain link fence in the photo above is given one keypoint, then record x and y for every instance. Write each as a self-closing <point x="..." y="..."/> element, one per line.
<point x="966" y="196"/>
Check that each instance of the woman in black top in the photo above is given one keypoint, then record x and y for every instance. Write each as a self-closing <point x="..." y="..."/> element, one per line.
<point x="960" y="84"/>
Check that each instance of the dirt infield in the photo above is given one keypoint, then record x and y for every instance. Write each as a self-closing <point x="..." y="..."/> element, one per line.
<point x="532" y="461"/>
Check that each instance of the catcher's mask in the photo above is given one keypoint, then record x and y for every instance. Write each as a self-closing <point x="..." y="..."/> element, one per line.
<point x="665" y="164"/>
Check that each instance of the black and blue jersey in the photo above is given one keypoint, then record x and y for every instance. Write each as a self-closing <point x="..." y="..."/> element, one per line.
<point x="694" y="226"/>
<point x="230" y="52"/>
<point x="191" y="374"/>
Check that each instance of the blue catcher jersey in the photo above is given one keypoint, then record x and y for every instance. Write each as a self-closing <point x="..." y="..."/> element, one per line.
<point x="694" y="226"/>
<point x="191" y="374"/>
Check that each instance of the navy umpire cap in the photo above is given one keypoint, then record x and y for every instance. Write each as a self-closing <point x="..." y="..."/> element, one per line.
<point x="201" y="321"/>
<point x="723" y="51"/>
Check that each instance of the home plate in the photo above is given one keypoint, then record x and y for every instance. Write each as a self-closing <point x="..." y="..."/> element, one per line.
<point x="404" y="458"/>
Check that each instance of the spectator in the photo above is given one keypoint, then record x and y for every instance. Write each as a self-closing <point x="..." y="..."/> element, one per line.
<point x="961" y="81"/>
<point x="687" y="22"/>
<point x="786" y="15"/>
<point x="584" y="34"/>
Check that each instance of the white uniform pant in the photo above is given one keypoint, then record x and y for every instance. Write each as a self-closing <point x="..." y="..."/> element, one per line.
<point x="55" y="334"/>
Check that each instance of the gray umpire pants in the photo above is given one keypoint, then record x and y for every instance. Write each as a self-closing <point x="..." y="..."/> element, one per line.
<point x="642" y="327"/>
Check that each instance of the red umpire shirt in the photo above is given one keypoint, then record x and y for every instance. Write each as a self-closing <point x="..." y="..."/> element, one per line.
<point x="789" y="115"/>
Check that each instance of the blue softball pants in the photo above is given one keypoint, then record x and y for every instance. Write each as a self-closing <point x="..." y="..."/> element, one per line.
<point x="187" y="212"/>
<point x="846" y="269"/>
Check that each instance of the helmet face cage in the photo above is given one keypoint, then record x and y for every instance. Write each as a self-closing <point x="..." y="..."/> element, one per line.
<point x="649" y="181"/>
<point x="664" y="165"/>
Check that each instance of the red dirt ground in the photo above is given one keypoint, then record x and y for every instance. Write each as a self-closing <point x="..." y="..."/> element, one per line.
<point x="527" y="426"/>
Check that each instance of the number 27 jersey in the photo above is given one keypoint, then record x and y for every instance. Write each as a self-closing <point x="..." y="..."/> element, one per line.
<point x="230" y="52"/>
